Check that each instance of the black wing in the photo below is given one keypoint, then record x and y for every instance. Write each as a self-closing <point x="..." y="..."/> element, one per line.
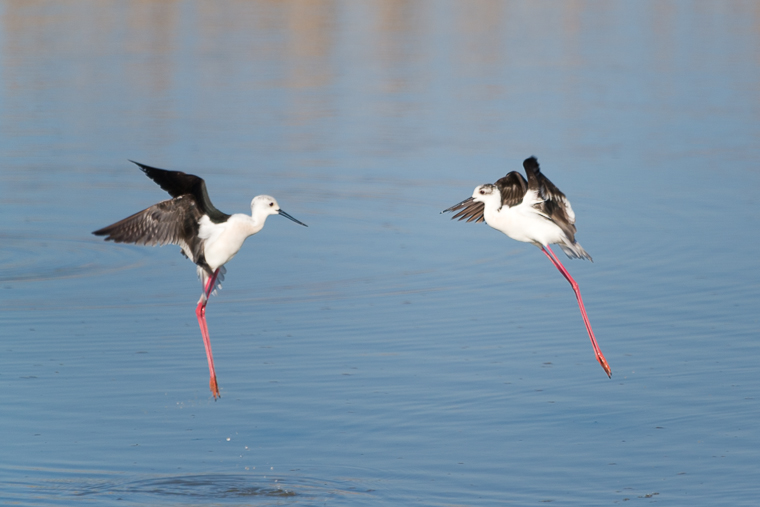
<point x="470" y="209"/>
<point x="169" y="222"/>
<point x="555" y="205"/>
<point x="178" y="183"/>
<point x="512" y="188"/>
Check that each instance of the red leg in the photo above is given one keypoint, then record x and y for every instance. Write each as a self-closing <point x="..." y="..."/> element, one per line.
<point x="561" y="268"/>
<point x="200" y="312"/>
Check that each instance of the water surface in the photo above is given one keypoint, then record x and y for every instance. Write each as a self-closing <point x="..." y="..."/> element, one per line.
<point x="385" y="355"/>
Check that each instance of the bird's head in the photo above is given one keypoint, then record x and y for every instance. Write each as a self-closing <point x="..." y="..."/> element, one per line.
<point x="267" y="205"/>
<point x="486" y="193"/>
<point x="264" y="205"/>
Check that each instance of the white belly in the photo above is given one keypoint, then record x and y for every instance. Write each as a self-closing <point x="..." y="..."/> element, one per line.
<point x="522" y="223"/>
<point x="219" y="252"/>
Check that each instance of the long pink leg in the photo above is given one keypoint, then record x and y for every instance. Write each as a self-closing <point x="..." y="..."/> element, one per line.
<point x="557" y="264"/>
<point x="200" y="312"/>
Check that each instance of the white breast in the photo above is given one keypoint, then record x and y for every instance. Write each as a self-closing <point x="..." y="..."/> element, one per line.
<point x="223" y="241"/>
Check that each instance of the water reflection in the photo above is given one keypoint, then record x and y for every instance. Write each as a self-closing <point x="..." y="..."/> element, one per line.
<point x="169" y="61"/>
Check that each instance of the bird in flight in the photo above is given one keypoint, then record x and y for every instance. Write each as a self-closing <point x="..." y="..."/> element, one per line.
<point x="532" y="211"/>
<point x="206" y="236"/>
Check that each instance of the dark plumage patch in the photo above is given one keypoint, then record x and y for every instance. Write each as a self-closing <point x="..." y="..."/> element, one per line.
<point x="555" y="205"/>
<point x="512" y="188"/>
<point x="178" y="183"/>
<point x="169" y="222"/>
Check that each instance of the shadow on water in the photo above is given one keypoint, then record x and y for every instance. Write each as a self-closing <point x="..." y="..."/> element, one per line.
<point x="209" y="487"/>
<point x="199" y="489"/>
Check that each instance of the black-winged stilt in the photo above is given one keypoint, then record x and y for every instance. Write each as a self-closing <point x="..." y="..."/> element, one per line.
<point x="533" y="211"/>
<point x="207" y="236"/>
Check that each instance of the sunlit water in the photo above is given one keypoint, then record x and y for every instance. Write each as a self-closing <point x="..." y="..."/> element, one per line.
<point x="385" y="355"/>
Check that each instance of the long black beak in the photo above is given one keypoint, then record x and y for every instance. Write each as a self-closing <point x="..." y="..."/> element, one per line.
<point x="458" y="205"/>
<point x="291" y="218"/>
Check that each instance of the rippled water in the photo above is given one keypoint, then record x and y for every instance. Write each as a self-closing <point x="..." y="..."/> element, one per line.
<point x="385" y="355"/>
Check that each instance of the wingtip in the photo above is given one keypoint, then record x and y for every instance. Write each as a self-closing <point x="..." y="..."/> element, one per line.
<point x="138" y="164"/>
<point x="530" y="163"/>
<point x="457" y="206"/>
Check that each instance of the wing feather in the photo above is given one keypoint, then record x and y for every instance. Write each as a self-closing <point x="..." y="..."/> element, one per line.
<point x="177" y="183"/>
<point x="512" y="188"/>
<point x="554" y="205"/>
<point x="174" y="221"/>
<point x="469" y="209"/>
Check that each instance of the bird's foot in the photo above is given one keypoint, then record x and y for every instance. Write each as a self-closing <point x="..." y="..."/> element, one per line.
<point x="214" y="388"/>
<point x="604" y="364"/>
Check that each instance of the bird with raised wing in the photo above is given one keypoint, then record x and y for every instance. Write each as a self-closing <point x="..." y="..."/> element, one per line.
<point x="206" y="236"/>
<point x="532" y="211"/>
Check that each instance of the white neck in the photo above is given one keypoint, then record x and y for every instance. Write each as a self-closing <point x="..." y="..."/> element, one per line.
<point x="252" y="224"/>
<point x="492" y="202"/>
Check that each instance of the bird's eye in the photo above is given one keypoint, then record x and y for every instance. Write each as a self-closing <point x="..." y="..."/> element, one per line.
<point x="482" y="192"/>
<point x="271" y="204"/>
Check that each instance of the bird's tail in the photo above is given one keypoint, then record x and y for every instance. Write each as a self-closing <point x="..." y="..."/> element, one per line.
<point x="574" y="250"/>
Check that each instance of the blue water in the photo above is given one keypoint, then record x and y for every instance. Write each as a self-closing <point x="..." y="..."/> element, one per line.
<point x="385" y="355"/>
